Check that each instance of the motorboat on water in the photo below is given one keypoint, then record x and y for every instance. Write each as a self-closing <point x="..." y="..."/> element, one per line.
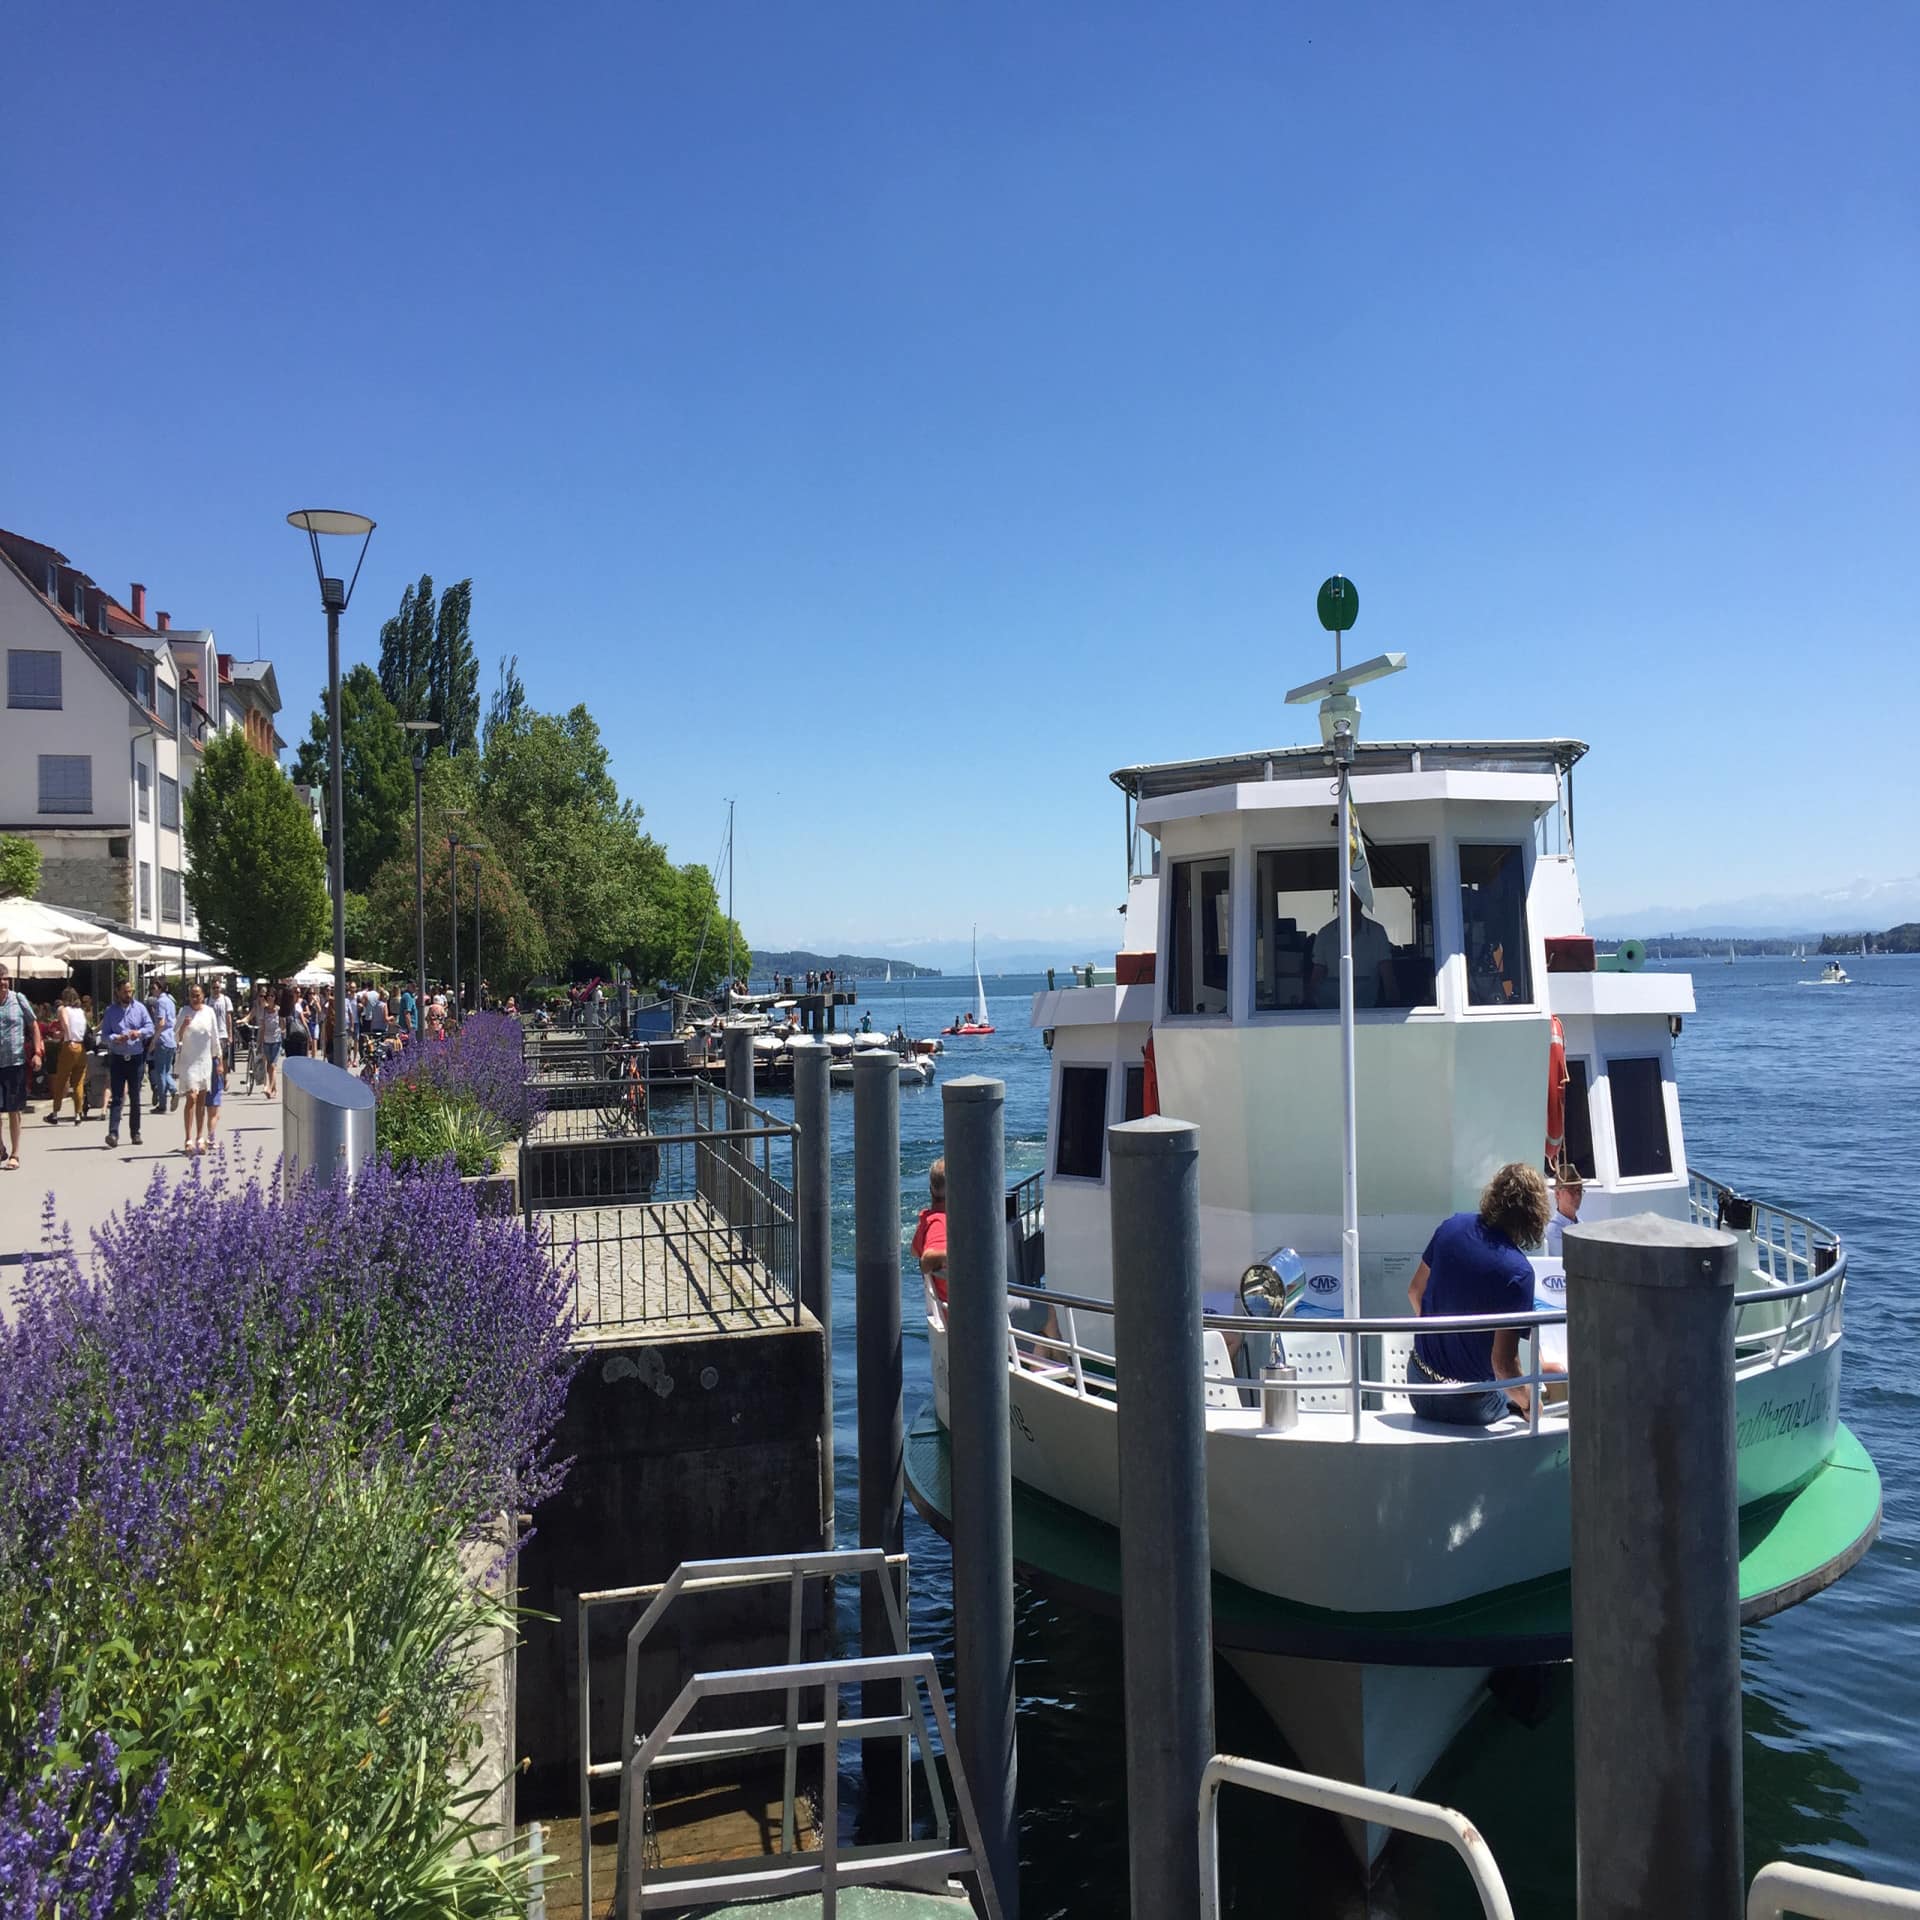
<point x="1383" y="1567"/>
<point x="1833" y="974"/>
<point x="917" y="1069"/>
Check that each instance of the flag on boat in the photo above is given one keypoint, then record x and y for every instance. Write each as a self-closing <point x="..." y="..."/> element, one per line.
<point x="1362" y="874"/>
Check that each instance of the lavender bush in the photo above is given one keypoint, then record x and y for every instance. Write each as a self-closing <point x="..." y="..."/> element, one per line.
<point x="483" y="1062"/>
<point x="235" y="1463"/>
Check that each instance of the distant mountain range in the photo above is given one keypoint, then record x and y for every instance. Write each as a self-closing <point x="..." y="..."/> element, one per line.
<point x="846" y="966"/>
<point x="1859" y="904"/>
<point x="1015" y="954"/>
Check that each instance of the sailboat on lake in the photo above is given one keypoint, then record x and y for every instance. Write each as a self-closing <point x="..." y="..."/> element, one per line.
<point x="978" y="1021"/>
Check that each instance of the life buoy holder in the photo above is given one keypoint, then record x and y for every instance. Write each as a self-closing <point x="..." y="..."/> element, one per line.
<point x="1557" y="1095"/>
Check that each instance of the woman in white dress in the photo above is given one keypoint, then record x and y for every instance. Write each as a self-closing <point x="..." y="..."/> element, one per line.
<point x="198" y="1033"/>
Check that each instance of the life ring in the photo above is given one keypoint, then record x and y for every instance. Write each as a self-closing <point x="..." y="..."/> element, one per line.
<point x="1556" y="1095"/>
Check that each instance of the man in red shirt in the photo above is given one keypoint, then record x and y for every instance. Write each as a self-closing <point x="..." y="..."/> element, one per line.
<point x="930" y="1235"/>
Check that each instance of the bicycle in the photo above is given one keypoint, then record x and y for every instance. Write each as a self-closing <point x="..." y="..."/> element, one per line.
<point x="623" y="1093"/>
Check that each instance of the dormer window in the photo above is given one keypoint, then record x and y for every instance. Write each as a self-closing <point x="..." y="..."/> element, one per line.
<point x="1200" y="936"/>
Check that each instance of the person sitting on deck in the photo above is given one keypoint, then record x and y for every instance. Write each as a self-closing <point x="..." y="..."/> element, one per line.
<point x="1474" y="1264"/>
<point x="930" y="1235"/>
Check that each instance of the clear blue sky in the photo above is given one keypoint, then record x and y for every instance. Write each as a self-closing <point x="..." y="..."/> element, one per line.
<point x="899" y="415"/>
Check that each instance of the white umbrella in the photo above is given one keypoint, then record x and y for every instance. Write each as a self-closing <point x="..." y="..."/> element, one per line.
<point x="31" y="930"/>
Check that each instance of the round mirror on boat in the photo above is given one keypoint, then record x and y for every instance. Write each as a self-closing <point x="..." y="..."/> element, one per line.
<point x="1264" y="1285"/>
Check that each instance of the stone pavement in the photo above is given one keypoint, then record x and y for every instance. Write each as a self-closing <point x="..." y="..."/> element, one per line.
<point x="90" y="1182"/>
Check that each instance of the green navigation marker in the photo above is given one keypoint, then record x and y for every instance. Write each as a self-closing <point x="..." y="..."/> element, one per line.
<point x="1339" y="604"/>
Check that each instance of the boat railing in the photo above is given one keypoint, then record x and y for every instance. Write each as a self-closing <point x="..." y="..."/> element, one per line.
<point x="1802" y="1317"/>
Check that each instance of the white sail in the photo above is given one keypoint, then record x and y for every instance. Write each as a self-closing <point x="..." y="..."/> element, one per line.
<point x="979" y="985"/>
<point x="889" y="973"/>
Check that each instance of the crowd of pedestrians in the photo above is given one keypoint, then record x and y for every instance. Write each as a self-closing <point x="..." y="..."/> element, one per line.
<point x="155" y="1050"/>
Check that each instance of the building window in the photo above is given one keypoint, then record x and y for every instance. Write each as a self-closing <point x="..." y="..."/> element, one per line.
<point x="66" y="783"/>
<point x="1081" y="1150"/>
<point x="169" y="801"/>
<point x="143" y="789"/>
<point x="146" y="890"/>
<point x="1639" y="1118"/>
<point x="1493" y="913"/>
<point x="1578" y="1145"/>
<point x="1297" y="937"/>
<point x="169" y="707"/>
<point x="1136" y="1094"/>
<point x="1199" y="935"/>
<point x="170" y="895"/>
<point x="33" y="678"/>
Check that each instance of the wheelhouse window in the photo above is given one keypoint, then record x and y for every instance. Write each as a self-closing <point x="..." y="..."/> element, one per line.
<point x="1199" y="932"/>
<point x="1578" y="1143"/>
<point x="1493" y="914"/>
<point x="66" y="783"/>
<point x="33" y="678"/>
<point x="1080" y="1151"/>
<point x="1297" y="936"/>
<point x="1639" y="1118"/>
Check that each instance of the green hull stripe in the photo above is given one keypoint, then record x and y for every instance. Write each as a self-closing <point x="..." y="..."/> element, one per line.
<point x="1790" y="1548"/>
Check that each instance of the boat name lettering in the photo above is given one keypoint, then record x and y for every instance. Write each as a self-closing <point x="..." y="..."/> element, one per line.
<point x="1770" y="1419"/>
<point x="1019" y="1423"/>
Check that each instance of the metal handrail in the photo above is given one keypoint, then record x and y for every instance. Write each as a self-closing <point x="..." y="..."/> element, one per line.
<point x="1422" y="1818"/>
<point x="1070" y="1355"/>
<point x="716" y="1576"/>
<point x="1781" y="1889"/>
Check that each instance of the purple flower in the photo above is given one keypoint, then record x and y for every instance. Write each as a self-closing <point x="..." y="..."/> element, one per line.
<point x="484" y="1059"/>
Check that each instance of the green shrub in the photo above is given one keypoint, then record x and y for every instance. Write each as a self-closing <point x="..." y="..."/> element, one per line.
<point x="421" y="1126"/>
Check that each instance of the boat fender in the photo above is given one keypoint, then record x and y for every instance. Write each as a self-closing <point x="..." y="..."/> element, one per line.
<point x="1556" y="1094"/>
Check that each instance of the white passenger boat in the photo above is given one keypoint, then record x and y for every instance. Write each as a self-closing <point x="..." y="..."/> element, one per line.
<point x="1381" y="1566"/>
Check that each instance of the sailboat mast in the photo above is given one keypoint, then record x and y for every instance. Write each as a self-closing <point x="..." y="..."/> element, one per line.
<point x="729" y="900"/>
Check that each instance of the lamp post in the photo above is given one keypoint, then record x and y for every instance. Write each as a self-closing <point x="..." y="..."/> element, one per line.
<point x="319" y="523"/>
<point x="453" y="917"/>
<point x="476" y="848"/>
<point x="419" y="729"/>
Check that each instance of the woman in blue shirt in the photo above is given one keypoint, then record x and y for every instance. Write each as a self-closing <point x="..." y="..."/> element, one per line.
<point x="1474" y="1264"/>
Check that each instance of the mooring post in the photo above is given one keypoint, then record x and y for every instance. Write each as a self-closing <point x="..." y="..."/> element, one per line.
<point x="813" y="1230"/>
<point x="876" y="1299"/>
<point x="1165" y="1569"/>
<point x="738" y="1043"/>
<point x="982" y="1468"/>
<point x="1656" y="1570"/>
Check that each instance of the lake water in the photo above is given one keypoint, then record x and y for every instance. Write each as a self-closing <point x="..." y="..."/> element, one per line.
<point x="1798" y="1093"/>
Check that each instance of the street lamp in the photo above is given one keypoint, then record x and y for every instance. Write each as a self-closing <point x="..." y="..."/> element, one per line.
<point x="419" y="729"/>
<point x="319" y="523"/>
<point x="476" y="848"/>
<point x="453" y="891"/>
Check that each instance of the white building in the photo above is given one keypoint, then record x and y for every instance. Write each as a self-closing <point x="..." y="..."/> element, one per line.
<point x="105" y="721"/>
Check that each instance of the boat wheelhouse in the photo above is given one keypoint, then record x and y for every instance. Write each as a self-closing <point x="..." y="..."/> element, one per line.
<point x="1377" y="1550"/>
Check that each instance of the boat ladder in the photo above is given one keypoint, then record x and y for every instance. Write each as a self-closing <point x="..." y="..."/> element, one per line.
<point x="919" y="1718"/>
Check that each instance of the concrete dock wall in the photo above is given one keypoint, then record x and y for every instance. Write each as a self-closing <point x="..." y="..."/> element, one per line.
<point x="684" y="1446"/>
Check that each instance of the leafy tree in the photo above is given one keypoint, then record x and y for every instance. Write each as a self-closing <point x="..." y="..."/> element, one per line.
<point x="454" y="698"/>
<point x="513" y="944"/>
<point x="509" y="701"/>
<point x="684" y="936"/>
<point x="375" y="768"/>
<point x="427" y="666"/>
<point x="19" y="867"/>
<point x="406" y="653"/>
<point x="256" y="873"/>
<point x="551" y="809"/>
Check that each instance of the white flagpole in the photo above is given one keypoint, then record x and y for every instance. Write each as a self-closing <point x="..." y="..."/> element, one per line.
<point x="1350" y="1165"/>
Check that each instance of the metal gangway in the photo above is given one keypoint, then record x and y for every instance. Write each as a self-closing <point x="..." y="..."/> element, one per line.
<point x="929" y="1862"/>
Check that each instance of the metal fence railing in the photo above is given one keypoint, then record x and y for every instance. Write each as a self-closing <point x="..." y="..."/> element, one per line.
<point x="691" y="1224"/>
